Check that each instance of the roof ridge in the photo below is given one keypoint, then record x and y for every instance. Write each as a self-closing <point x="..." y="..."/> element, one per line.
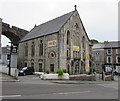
<point x="54" y="18"/>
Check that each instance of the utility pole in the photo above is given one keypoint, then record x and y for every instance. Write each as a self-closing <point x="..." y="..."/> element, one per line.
<point x="112" y="63"/>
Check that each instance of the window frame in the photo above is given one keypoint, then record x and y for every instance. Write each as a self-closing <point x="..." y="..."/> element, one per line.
<point x="110" y="59"/>
<point x="109" y="50"/>
<point x="117" y="59"/>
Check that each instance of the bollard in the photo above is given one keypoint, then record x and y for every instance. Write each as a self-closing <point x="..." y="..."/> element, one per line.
<point x="16" y="74"/>
<point x="103" y="76"/>
<point x="95" y="76"/>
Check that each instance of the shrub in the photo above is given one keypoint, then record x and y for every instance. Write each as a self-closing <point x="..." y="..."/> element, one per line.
<point x="92" y="70"/>
<point x="47" y="72"/>
<point x="64" y="70"/>
<point x="59" y="72"/>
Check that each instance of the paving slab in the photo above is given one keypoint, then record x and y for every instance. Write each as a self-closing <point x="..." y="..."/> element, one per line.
<point x="7" y="78"/>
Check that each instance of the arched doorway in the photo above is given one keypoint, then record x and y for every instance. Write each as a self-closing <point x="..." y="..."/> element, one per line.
<point x="68" y="68"/>
<point x="77" y="68"/>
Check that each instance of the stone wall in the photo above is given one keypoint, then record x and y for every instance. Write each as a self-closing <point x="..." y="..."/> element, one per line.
<point x="60" y="60"/>
<point x="76" y="36"/>
<point x="45" y="60"/>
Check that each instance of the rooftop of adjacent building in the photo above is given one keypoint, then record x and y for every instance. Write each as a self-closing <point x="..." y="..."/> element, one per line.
<point x="5" y="50"/>
<point x="107" y="44"/>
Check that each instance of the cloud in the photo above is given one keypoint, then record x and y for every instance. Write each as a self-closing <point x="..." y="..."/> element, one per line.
<point x="100" y="17"/>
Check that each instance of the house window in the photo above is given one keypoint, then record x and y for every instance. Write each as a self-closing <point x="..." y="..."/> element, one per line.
<point x="41" y="48"/>
<point x="118" y="59"/>
<point x="68" y="38"/>
<point x="8" y="56"/>
<point x="26" y="49"/>
<point x="40" y="67"/>
<point x="117" y="51"/>
<point x="109" y="59"/>
<point x="97" y="53"/>
<point x="33" y="49"/>
<point x="51" y="67"/>
<point x="109" y="51"/>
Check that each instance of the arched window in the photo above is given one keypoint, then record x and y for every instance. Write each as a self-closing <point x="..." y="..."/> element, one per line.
<point x="32" y="65"/>
<point x="68" y="68"/>
<point x="68" y="37"/>
<point x="76" y="26"/>
<point x="33" y="49"/>
<point x="26" y="49"/>
<point x="41" y="48"/>
<point x="40" y="67"/>
<point x="25" y="64"/>
<point x="83" y="42"/>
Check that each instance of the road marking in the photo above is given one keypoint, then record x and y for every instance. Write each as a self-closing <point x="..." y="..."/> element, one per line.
<point x="10" y="96"/>
<point x="73" y="92"/>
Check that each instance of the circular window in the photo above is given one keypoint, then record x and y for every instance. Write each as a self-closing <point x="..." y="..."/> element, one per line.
<point x="52" y="55"/>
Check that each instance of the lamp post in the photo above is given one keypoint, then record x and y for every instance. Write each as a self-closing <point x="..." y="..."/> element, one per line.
<point x="9" y="71"/>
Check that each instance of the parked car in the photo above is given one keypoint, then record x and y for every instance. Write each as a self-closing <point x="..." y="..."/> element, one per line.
<point x="26" y="71"/>
<point x="116" y="73"/>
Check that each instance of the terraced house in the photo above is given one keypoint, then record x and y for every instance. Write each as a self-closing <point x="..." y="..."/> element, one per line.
<point x="58" y="43"/>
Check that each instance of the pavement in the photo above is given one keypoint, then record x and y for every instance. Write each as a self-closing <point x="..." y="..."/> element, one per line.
<point x="36" y="79"/>
<point x="7" y="78"/>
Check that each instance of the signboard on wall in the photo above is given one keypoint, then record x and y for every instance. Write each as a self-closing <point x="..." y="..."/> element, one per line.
<point x="76" y="48"/>
<point x="52" y="43"/>
<point x="87" y="57"/>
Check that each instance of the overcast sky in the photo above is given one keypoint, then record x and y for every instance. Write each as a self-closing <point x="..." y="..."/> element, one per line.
<point x="99" y="17"/>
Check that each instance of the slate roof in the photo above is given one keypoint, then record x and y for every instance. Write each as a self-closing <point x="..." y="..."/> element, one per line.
<point x="114" y="44"/>
<point x="49" y="27"/>
<point x="102" y="45"/>
<point x="98" y="46"/>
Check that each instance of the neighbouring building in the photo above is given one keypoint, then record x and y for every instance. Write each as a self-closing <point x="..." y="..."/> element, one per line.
<point x="106" y="54"/>
<point x="112" y="54"/>
<point x="5" y="56"/>
<point x="98" y="56"/>
<point x="58" y="43"/>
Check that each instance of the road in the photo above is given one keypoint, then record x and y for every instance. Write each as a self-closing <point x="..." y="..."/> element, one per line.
<point x="32" y="87"/>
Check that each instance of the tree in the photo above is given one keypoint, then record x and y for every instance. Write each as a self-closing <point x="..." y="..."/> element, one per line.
<point x="94" y="41"/>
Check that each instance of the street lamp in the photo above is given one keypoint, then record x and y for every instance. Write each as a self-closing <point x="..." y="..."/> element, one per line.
<point x="9" y="71"/>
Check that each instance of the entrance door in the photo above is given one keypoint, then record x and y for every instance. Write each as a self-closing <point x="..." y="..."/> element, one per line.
<point x="68" y="68"/>
<point x="77" y="68"/>
<point x="40" y="67"/>
<point x="51" y="67"/>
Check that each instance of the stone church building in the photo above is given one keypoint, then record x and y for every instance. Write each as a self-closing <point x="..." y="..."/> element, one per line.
<point x="58" y="43"/>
